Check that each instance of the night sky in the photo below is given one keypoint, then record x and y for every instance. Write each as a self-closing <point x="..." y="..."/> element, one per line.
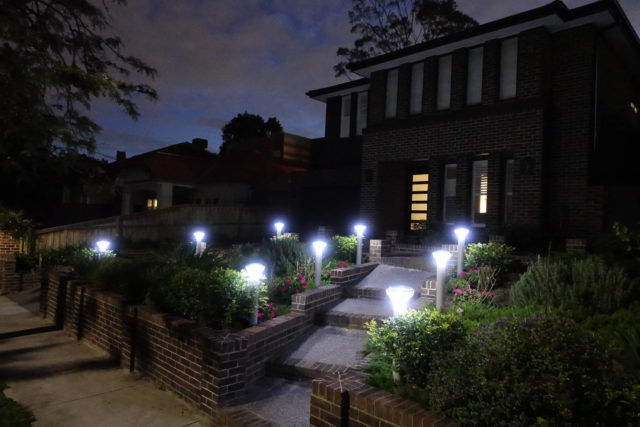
<point x="216" y="59"/>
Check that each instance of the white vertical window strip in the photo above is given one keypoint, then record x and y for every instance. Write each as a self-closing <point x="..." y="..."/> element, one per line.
<point x="392" y="94"/>
<point x="417" y="77"/>
<point x="508" y="191"/>
<point x="345" y="116"/>
<point x="449" y="190"/>
<point x="361" y="119"/>
<point x="474" y="76"/>
<point x="508" y="68"/>
<point x="480" y="186"/>
<point x="444" y="82"/>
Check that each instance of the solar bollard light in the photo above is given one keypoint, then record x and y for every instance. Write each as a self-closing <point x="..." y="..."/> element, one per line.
<point x="318" y="246"/>
<point x="462" y="233"/>
<point x="400" y="297"/>
<point x="360" y="234"/>
<point x="200" y="245"/>
<point x="253" y="273"/>
<point x="279" y="226"/>
<point x="441" y="263"/>
<point x="103" y="245"/>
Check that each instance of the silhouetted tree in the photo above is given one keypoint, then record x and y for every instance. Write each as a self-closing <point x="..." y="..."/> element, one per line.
<point x="385" y="26"/>
<point x="55" y="60"/>
<point x="247" y="131"/>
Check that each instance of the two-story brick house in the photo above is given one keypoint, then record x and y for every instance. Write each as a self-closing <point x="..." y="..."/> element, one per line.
<point x="531" y="120"/>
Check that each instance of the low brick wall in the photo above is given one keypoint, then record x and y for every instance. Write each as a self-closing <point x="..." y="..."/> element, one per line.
<point x="348" y="400"/>
<point x="208" y="368"/>
<point x="351" y="275"/>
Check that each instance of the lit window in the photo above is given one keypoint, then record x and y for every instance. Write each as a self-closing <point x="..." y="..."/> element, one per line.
<point x="474" y="76"/>
<point x="361" y="120"/>
<point x="444" y="82"/>
<point x="480" y="186"/>
<point x="419" y="201"/>
<point x="417" y="76"/>
<point x="508" y="191"/>
<point x="633" y="107"/>
<point x="392" y="94"/>
<point x="508" y="68"/>
<point x="449" y="190"/>
<point x="152" y="203"/>
<point x="345" y="116"/>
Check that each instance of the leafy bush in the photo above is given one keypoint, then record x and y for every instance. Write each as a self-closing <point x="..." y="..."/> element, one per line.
<point x="345" y="247"/>
<point x="83" y="260"/>
<point x="126" y="277"/>
<point x="473" y="286"/>
<point x="220" y="298"/>
<point x="495" y="255"/>
<point x="414" y="340"/>
<point x="284" y="253"/>
<point x="25" y="262"/>
<point x="542" y="370"/>
<point x="12" y="413"/>
<point x="585" y="285"/>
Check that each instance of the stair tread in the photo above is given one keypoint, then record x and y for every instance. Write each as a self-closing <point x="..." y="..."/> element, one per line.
<point x="385" y="276"/>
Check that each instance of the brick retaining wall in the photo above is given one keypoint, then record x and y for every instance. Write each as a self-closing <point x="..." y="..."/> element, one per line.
<point x="366" y="406"/>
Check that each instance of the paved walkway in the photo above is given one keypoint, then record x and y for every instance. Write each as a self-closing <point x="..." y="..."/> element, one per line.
<point x="68" y="383"/>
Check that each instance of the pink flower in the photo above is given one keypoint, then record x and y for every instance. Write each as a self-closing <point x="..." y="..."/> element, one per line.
<point x="297" y="291"/>
<point x="288" y="277"/>
<point x="259" y="315"/>
<point x="459" y="310"/>
<point x="486" y="266"/>
<point x="272" y="314"/>
<point x="300" y="277"/>
<point x="270" y="305"/>
<point x="275" y="308"/>
<point x="328" y="271"/>
<point x="282" y="290"/>
<point x="304" y="283"/>
<point x="490" y="295"/>
<point x="462" y="273"/>
<point x="288" y="282"/>
<point x="479" y="268"/>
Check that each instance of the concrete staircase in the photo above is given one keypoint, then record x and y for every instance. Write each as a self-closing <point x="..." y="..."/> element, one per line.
<point x="334" y="346"/>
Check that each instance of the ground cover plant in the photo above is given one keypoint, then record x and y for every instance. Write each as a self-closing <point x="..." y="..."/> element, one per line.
<point x="12" y="414"/>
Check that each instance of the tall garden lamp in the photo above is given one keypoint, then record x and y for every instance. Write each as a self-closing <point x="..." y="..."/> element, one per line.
<point x="318" y="246"/>
<point x="462" y="233"/>
<point x="279" y="226"/>
<point x="253" y="273"/>
<point x="400" y="296"/>
<point x="441" y="263"/>
<point x="359" y="233"/>
<point x="103" y="245"/>
<point x="200" y="245"/>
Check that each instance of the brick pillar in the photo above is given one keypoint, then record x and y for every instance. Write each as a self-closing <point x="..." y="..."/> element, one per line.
<point x="378" y="249"/>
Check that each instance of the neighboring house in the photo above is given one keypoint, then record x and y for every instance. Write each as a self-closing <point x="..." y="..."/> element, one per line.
<point x="527" y="121"/>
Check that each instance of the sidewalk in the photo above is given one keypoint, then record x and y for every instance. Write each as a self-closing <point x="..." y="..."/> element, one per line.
<point x="68" y="383"/>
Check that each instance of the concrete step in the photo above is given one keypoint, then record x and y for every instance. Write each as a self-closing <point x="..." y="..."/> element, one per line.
<point x="327" y="350"/>
<point x="354" y="313"/>
<point x="375" y="284"/>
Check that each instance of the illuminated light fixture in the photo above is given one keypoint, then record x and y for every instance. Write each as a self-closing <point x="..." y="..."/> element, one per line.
<point x="279" y="226"/>
<point x="318" y="246"/>
<point x="253" y="273"/>
<point x="360" y="234"/>
<point x="103" y="245"/>
<point x="462" y="234"/>
<point x="442" y="257"/>
<point x="200" y="245"/>
<point x="400" y="297"/>
<point x="198" y="235"/>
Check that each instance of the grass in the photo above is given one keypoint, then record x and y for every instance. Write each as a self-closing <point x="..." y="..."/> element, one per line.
<point x="13" y="414"/>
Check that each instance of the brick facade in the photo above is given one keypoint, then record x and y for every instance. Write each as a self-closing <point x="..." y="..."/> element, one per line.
<point x="12" y="280"/>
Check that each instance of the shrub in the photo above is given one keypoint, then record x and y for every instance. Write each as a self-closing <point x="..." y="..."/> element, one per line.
<point x="542" y="370"/>
<point x="126" y="277"/>
<point x="284" y="253"/>
<point x="493" y="254"/>
<point x="412" y="341"/>
<point x="12" y="413"/>
<point x="220" y="298"/>
<point x="345" y="247"/>
<point x="585" y="285"/>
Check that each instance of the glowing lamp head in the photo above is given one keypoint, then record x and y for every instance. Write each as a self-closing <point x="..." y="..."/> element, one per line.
<point x="103" y="245"/>
<point x="360" y="229"/>
<point x="198" y="235"/>
<point x="400" y="296"/>
<point x="441" y="258"/>
<point x="253" y="272"/>
<point x="462" y="233"/>
<point x="279" y="226"/>
<point x="319" y="246"/>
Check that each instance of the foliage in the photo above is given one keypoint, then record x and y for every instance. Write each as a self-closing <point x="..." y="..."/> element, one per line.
<point x="247" y="131"/>
<point x="586" y="285"/>
<point x="542" y="370"/>
<point x="55" y="60"/>
<point x="344" y="247"/>
<point x="242" y="254"/>
<point x="481" y="279"/>
<point x="474" y="316"/>
<point x="220" y="298"/>
<point x="414" y="340"/>
<point x="82" y="260"/>
<point x="126" y="277"/>
<point x="267" y="310"/>
<point x="284" y="254"/>
<point x="629" y="238"/>
<point x="495" y="255"/>
<point x="25" y="262"/>
<point x="385" y="26"/>
<point x="18" y="227"/>
<point x="13" y="414"/>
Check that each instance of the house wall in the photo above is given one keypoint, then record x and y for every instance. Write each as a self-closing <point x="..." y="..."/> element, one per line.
<point x="546" y="129"/>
